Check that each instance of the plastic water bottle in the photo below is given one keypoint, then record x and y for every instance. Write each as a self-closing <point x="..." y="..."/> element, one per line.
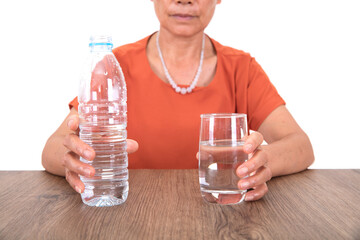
<point x="102" y="111"/>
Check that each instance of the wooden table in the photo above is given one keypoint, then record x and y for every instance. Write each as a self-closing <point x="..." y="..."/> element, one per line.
<point x="166" y="204"/>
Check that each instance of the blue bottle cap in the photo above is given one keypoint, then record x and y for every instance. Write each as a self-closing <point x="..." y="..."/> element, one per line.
<point x="101" y="40"/>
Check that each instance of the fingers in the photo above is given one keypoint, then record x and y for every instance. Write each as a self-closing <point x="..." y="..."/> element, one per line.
<point x="252" y="142"/>
<point x="258" y="172"/>
<point x="73" y="143"/>
<point x="132" y="146"/>
<point x="74" y="181"/>
<point x="73" y="168"/>
<point x="261" y="176"/>
<point x="258" y="160"/>
<point x="257" y="193"/>
<point x="72" y="163"/>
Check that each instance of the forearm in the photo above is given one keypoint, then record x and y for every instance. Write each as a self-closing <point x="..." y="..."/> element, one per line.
<point x="52" y="155"/>
<point x="291" y="154"/>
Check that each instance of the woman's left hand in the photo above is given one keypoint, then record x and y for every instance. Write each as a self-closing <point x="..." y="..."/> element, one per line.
<point x="256" y="168"/>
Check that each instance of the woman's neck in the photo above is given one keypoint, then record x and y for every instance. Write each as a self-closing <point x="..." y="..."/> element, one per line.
<point x="179" y="49"/>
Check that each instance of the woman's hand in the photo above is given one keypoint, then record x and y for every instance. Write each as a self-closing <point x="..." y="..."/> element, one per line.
<point x="76" y="148"/>
<point x="256" y="168"/>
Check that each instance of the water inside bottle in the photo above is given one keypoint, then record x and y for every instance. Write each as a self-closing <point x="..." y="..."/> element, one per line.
<point x="109" y="186"/>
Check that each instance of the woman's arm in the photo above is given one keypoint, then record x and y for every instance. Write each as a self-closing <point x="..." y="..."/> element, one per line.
<point x="289" y="149"/>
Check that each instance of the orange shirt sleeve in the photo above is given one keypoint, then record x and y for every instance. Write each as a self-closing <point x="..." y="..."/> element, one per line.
<point x="262" y="96"/>
<point x="74" y="103"/>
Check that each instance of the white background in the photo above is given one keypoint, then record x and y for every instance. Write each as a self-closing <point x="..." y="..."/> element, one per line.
<point x="310" y="50"/>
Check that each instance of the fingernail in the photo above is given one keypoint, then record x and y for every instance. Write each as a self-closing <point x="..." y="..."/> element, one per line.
<point x="77" y="189"/>
<point x="88" y="172"/>
<point x="248" y="147"/>
<point x="70" y="122"/>
<point x="242" y="171"/>
<point x="87" y="154"/>
<point x="249" y="198"/>
<point x="244" y="185"/>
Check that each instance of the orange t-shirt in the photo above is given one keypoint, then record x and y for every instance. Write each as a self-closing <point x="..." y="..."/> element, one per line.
<point x="166" y="124"/>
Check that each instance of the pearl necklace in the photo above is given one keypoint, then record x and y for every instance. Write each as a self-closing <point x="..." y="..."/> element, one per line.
<point x="169" y="78"/>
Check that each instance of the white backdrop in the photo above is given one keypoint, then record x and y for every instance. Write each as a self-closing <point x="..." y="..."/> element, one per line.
<point x="310" y="50"/>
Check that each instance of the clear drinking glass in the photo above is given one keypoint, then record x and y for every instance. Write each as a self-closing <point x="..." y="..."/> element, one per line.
<point x="222" y="137"/>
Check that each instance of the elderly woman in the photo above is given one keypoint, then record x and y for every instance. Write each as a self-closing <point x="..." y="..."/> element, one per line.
<point x="172" y="77"/>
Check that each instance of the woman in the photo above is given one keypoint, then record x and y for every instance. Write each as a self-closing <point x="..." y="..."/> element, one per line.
<point x="172" y="77"/>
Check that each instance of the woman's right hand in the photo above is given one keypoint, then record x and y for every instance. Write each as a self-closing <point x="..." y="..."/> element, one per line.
<point x="76" y="148"/>
<point x="71" y="159"/>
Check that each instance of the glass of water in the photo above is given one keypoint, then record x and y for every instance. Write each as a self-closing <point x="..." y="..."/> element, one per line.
<point x="222" y="137"/>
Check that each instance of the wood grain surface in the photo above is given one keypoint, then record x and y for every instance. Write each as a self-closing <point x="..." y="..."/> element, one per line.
<point x="166" y="204"/>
